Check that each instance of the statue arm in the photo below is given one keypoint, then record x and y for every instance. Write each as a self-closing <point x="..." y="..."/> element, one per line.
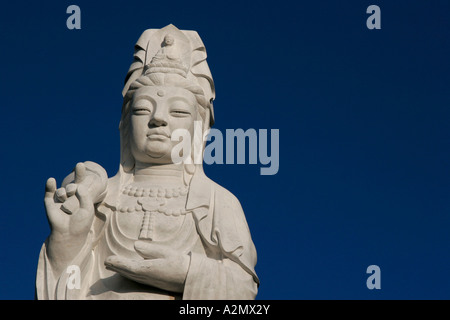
<point x="70" y="212"/>
<point x="227" y="269"/>
<point x="52" y="283"/>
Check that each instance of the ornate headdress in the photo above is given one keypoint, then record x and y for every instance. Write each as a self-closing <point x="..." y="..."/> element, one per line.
<point x="179" y="55"/>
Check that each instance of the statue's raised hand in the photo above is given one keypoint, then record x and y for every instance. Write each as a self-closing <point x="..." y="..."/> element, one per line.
<point x="70" y="209"/>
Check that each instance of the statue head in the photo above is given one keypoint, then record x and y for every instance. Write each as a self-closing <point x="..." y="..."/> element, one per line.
<point x="168" y="87"/>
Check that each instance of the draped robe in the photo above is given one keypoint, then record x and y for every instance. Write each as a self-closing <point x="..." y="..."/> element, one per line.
<point x="214" y="234"/>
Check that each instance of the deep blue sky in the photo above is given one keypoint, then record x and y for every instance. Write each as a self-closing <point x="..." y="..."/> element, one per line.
<point x="363" y="117"/>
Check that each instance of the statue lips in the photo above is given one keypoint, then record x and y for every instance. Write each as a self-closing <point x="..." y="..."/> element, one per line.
<point x="158" y="134"/>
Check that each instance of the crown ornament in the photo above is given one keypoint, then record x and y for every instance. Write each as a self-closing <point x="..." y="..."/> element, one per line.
<point x="170" y="51"/>
<point x="173" y="57"/>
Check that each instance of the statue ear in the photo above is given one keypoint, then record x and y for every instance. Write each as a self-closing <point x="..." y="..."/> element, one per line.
<point x="211" y="113"/>
<point x="204" y="115"/>
<point x="207" y="121"/>
<point x="206" y="127"/>
<point x="126" y="158"/>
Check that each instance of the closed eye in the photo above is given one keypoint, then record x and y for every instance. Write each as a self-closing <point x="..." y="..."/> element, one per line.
<point x="180" y="113"/>
<point x="142" y="111"/>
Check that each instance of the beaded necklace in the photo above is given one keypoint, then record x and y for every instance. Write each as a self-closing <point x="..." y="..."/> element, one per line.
<point x="152" y="201"/>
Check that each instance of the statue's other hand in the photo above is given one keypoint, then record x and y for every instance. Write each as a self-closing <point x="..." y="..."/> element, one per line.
<point x="68" y="225"/>
<point x="162" y="267"/>
<point x="70" y="209"/>
<point x="70" y="212"/>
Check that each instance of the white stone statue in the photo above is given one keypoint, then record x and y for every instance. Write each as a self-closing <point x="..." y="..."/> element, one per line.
<point x="157" y="229"/>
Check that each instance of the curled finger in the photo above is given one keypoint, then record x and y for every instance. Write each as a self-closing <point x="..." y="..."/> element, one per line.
<point x="71" y="188"/>
<point x="84" y="198"/>
<point x="61" y="194"/>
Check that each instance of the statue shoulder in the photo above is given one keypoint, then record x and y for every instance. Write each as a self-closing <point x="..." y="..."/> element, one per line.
<point x="230" y="224"/>
<point x="227" y="196"/>
<point x="225" y="199"/>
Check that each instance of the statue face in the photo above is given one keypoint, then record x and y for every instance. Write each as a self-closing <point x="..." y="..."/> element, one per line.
<point x="155" y="113"/>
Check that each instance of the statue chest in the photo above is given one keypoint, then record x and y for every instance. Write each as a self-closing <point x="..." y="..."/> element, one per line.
<point x="157" y="218"/>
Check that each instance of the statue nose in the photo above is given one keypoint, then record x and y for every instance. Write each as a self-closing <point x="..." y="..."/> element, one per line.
<point x="158" y="119"/>
<point x="158" y="122"/>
